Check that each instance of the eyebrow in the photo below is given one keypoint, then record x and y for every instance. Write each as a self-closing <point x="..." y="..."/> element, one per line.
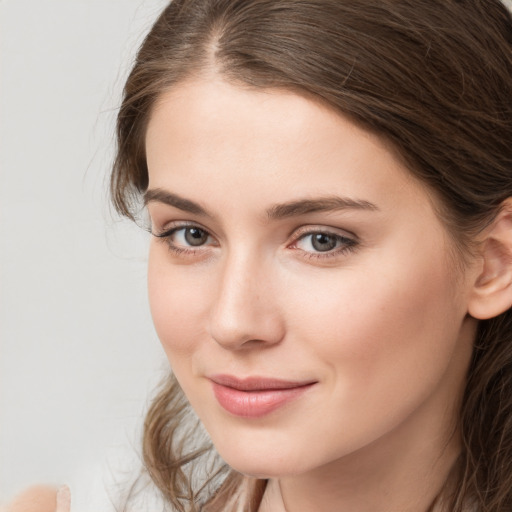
<point x="162" y="196"/>
<point x="293" y="208"/>
<point x="321" y="204"/>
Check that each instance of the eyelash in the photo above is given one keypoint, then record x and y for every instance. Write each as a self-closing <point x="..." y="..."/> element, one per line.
<point x="166" y="238"/>
<point x="347" y="245"/>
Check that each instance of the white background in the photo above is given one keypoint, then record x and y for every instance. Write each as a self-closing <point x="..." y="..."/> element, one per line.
<point x="78" y="354"/>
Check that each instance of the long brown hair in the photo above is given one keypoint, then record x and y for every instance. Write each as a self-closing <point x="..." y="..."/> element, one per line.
<point x="431" y="77"/>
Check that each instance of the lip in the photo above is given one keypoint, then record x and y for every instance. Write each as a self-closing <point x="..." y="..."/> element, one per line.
<point x="254" y="397"/>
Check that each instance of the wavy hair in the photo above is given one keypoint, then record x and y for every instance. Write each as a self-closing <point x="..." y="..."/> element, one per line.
<point x="432" y="78"/>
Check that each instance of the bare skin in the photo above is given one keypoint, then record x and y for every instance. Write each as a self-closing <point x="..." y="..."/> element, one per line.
<point x="41" y="499"/>
<point x="383" y="331"/>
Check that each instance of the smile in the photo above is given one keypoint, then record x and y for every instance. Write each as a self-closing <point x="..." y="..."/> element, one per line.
<point x="256" y="396"/>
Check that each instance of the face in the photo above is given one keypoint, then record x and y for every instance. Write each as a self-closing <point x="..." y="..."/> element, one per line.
<point x="300" y="281"/>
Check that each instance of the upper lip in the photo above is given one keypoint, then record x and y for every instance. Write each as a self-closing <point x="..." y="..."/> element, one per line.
<point x="257" y="383"/>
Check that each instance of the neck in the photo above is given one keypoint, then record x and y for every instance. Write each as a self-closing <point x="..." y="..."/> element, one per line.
<point x="399" y="486"/>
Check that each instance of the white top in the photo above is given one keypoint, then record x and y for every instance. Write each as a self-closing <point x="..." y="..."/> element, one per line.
<point x="118" y="485"/>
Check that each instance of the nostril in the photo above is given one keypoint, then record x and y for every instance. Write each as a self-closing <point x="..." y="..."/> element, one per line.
<point x="244" y="312"/>
<point x="250" y="328"/>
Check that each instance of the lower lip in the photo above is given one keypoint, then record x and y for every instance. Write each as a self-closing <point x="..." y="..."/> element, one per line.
<point x="254" y="404"/>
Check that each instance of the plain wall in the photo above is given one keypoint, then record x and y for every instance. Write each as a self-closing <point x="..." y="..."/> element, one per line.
<point x="78" y="354"/>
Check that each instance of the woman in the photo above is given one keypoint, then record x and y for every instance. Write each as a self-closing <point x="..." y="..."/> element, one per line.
<point x="329" y="186"/>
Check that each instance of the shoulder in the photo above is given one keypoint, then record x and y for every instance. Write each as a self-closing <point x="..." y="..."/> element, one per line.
<point x="35" y="499"/>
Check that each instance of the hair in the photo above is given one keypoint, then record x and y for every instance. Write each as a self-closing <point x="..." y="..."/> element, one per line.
<point x="431" y="78"/>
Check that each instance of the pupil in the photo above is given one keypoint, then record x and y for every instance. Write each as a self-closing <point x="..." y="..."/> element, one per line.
<point x="323" y="242"/>
<point x="195" y="236"/>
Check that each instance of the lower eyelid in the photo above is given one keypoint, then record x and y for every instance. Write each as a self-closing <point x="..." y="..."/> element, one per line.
<point x="338" y="252"/>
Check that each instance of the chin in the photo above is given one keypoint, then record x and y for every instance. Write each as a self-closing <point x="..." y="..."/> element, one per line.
<point x="263" y="463"/>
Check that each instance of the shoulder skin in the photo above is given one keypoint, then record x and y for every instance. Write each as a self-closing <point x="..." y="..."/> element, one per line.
<point x="35" y="499"/>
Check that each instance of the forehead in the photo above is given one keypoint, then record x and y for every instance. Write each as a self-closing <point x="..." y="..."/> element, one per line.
<point x="273" y="143"/>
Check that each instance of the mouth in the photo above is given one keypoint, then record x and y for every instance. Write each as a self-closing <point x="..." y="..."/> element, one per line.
<point x="254" y="397"/>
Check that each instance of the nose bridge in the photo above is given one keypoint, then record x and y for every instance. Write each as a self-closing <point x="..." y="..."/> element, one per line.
<point x="244" y="309"/>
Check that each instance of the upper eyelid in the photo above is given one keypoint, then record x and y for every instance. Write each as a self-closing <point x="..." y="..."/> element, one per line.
<point x="312" y="229"/>
<point x="168" y="229"/>
<point x="348" y="241"/>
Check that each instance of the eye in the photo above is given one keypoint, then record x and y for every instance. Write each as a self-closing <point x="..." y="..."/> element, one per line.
<point x="324" y="243"/>
<point x="185" y="239"/>
<point x="191" y="236"/>
<point x="321" y="242"/>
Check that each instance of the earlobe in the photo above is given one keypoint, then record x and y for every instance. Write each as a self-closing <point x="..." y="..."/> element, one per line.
<point x="492" y="291"/>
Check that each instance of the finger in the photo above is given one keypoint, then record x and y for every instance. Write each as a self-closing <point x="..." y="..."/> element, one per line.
<point x="63" y="499"/>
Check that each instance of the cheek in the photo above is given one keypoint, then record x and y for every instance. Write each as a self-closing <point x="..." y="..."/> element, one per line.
<point x="175" y="306"/>
<point x="390" y="322"/>
<point x="384" y="340"/>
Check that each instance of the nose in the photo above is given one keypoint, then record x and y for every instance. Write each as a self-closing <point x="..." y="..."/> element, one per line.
<point x="245" y="312"/>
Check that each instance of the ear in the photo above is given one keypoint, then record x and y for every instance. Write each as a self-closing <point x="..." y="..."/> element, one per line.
<point x="492" y="291"/>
